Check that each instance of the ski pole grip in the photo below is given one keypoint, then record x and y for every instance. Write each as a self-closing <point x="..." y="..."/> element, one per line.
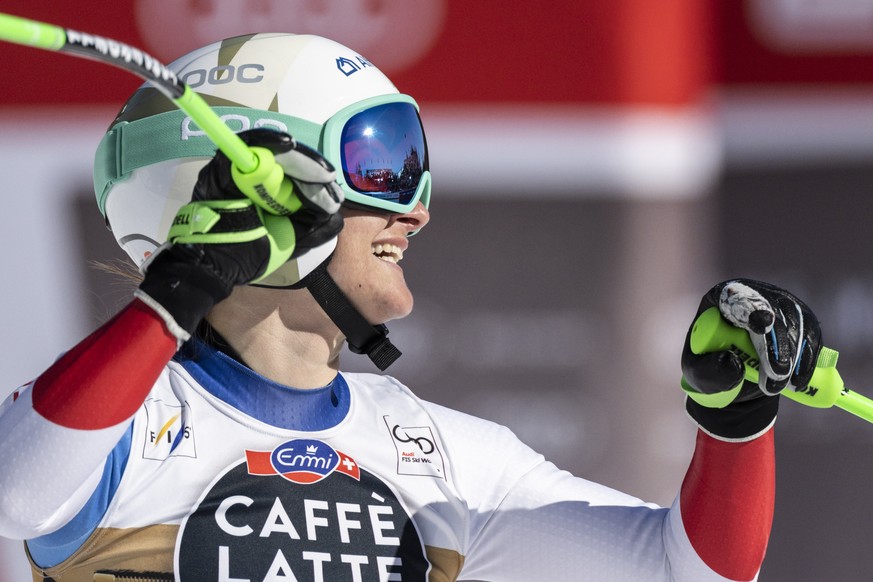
<point x="31" y="33"/>
<point x="712" y="333"/>
<point x="267" y="185"/>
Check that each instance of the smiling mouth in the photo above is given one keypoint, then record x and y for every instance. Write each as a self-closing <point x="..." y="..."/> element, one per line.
<point x="387" y="252"/>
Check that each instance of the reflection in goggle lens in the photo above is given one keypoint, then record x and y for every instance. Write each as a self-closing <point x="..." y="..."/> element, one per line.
<point x="384" y="153"/>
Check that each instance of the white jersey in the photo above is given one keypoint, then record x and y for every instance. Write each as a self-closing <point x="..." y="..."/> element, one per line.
<point x="374" y="484"/>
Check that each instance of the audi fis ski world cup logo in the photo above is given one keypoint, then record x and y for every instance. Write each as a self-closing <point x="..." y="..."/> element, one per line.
<point x="302" y="461"/>
<point x="417" y="450"/>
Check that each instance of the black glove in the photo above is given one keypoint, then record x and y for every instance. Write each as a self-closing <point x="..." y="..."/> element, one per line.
<point x="787" y="339"/>
<point x="314" y="184"/>
<point x="223" y="239"/>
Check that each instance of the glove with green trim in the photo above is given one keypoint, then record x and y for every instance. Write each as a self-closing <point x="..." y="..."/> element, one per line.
<point x="223" y="238"/>
<point x="787" y="339"/>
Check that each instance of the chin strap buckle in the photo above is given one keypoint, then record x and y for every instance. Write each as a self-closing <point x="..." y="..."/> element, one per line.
<point x="378" y="348"/>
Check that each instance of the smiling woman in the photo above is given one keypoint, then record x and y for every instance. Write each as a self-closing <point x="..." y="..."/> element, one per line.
<point x="206" y="432"/>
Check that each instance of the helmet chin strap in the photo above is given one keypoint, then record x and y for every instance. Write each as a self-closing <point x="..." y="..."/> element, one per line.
<point x="362" y="336"/>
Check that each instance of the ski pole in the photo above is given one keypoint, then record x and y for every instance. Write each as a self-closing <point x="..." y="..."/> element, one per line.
<point x="258" y="175"/>
<point x="712" y="333"/>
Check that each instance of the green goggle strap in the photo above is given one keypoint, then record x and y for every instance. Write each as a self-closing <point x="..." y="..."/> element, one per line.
<point x="167" y="136"/>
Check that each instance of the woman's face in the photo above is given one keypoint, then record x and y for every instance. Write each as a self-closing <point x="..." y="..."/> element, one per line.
<point x="366" y="262"/>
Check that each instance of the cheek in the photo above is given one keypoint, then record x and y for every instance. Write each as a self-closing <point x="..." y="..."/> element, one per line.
<point x="348" y="264"/>
<point x="380" y="294"/>
<point x="349" y="268"/>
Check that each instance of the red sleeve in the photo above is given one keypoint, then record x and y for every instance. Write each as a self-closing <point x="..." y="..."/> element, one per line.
<point x="105" y="378"/>
<point x="727" y="503"/>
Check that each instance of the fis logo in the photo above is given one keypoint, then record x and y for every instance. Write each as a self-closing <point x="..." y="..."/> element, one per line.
<point x="302" y="461"/>
<point x="169" y="431"/>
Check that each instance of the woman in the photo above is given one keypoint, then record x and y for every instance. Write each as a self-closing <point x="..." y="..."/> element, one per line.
<point x="205" y="433"/>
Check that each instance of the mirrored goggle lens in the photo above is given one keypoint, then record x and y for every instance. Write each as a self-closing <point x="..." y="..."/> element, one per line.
<point x="384" y="153"/>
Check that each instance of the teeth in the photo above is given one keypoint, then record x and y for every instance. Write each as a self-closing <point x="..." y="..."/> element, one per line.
<point x="387" y="252"/>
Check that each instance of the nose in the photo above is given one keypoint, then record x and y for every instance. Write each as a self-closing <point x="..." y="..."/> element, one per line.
<point x="415" y="219"/>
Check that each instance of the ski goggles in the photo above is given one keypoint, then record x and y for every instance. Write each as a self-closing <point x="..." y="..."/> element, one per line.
<point x="377" y="146"/>
<point x="380" y="149"/>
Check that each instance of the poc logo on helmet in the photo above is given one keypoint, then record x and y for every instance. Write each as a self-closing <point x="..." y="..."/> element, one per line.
<point x="223" y="74"/>
<point x="235" y="122"/>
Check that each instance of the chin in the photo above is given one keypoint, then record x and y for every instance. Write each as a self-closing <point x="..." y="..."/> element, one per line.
<point x="403" y="313"/>
<point x="396" y="307"/>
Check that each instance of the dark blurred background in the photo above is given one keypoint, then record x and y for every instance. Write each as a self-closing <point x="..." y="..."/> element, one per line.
<point x="597" y="167"/>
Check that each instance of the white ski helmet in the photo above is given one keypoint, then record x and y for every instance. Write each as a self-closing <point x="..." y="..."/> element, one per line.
<point x="324" y="94"/>
<point x="319" y="91"/>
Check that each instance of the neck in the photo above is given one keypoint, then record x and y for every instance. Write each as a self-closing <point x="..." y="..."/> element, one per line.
<point x="281" y="334"/>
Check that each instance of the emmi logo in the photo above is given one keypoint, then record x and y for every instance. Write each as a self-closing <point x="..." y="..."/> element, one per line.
<point x="291" y="458"/>
<point x="302" y="461"/>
